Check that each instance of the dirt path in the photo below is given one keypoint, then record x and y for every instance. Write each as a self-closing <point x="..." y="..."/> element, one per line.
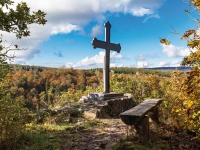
<point x="95" y="135"/>
<point x="101" y="134"/>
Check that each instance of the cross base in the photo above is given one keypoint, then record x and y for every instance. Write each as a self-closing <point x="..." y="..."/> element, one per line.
<point x="105" y="96"/>
<point x="106" y="105"/>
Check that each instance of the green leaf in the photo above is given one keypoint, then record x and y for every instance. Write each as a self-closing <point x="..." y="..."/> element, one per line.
<point x="193" y="43"/>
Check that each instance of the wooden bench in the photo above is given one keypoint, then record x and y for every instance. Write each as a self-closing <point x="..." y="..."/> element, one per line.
<point x="138" y="116"/>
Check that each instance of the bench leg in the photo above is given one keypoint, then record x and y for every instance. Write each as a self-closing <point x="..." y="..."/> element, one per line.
<point x="143" y="126"/>
<point x="154" y="115"/>
<point x="127" y="130"/>
<point x="130" y="130"/>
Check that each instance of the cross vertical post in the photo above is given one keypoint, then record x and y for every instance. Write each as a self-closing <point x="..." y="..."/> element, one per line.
<point x="107" y="46"/>
<point x="106" y="72"/>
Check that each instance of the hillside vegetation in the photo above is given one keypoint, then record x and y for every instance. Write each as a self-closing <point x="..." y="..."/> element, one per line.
<point x="37" y="92"/>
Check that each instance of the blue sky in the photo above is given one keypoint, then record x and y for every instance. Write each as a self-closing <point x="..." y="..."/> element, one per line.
<point x="137" y="25"/>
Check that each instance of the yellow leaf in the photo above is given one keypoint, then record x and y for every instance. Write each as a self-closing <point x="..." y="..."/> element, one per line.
<point x="164" y="41"/>
<point x="197" y="3"/>
<point x="190" y="104"/>
<point x="188" y="33"/>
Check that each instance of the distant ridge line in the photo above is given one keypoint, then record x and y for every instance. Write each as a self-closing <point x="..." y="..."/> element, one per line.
<point x="171" y="68"/>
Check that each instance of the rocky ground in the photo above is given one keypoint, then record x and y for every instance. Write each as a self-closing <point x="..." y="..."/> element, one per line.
<point x="100" y="134"/>
<point x="88" y="133"/>
<point x="94" y="135"/>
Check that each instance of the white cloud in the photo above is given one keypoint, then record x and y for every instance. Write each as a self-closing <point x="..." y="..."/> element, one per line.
<point x="115" y="65"/>
<point x="115" y="55"/>
<point x="142" y="64"/>
<point x="174" y="51"/>
<point x="65" y="29"/>
<point x="175" y="63"/>
<point x="145" y="64"/>
<point x="96" y="30"/>
<point x="23" y="55"/>
<point x="140" y="12"/>
<point x="143" y="57"/>
<point x="51" y="64"/>
<point x="65" y="16"/>
<point x="163" y="64"/>
<point x="95" y="61"/>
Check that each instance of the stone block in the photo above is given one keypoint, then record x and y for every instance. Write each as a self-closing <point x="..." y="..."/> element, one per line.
<point x="108" y="105"/>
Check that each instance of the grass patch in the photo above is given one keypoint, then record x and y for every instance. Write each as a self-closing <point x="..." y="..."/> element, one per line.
<point x="43" y="137"/>
<point x="44" y="141"/>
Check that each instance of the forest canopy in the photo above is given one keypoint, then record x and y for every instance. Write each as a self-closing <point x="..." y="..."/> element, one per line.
<point x="15" y="18"/>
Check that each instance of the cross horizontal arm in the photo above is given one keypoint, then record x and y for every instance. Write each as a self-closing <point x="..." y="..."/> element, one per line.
<point x="104" y="45"/>
<point x="115" y="47"/>
<point x="99" y="44"/>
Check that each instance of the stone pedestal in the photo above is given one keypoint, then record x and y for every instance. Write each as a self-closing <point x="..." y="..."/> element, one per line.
<point x="106" y="105"/>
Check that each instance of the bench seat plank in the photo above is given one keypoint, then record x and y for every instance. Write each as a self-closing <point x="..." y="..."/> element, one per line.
<point x="134" y="115"/>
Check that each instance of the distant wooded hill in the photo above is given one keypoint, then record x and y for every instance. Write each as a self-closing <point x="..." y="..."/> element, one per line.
<point x="162" y="71"/>
<point x="171" y="68"/>
<point x="40" y="87"/>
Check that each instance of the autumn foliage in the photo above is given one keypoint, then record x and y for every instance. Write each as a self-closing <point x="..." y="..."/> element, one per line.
<point x="183" y="97"/>
<point x="13" y="114"/>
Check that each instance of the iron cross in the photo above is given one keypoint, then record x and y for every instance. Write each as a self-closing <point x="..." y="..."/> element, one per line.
<point x="107" y="46"/>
